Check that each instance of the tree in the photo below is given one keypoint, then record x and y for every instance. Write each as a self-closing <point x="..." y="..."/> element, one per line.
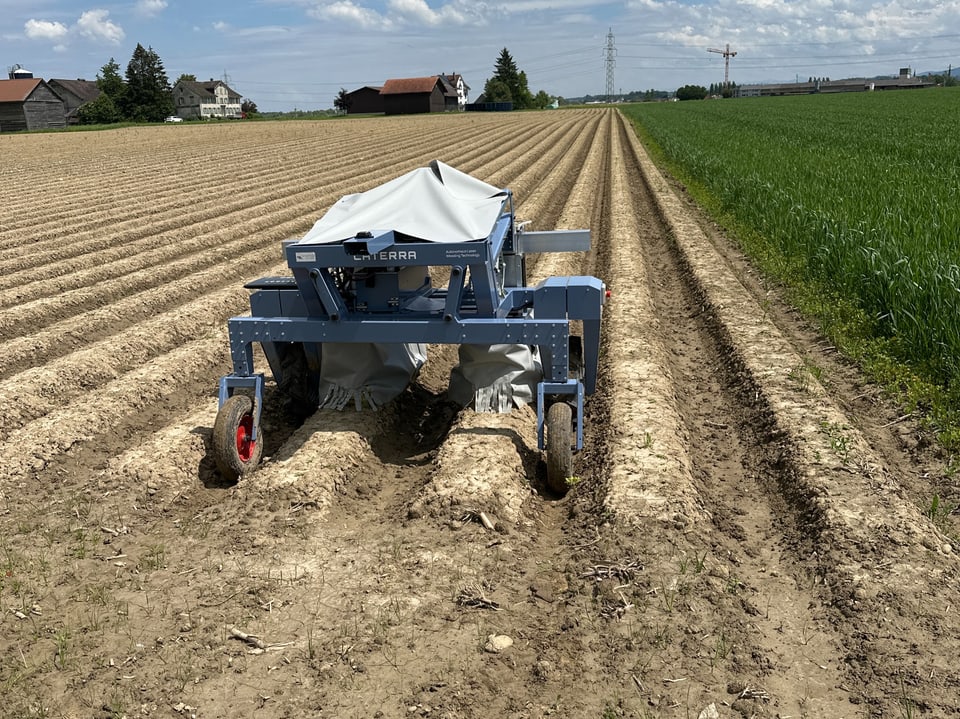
<point x="691" y="92"/>
<point x="106" y="108"/>
<point x="495" y="90"/>
<point x="148" y="97"/>
<point x="515" y="81"/>
<point x="102" y="111"/>
<point x="342" y="102"/>
<point x="523" y="94"/>
<point x="249" y="108"/>
<point x="541" y="100"/>
<point x="110" y="82"/>
<point x="187" y="77"/>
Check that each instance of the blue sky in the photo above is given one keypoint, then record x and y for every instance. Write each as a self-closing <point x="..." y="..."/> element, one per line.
<point x="286" y="54"/>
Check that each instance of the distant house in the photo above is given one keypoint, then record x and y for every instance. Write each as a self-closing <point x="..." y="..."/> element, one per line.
<point x="30" y="104"/>
<point x="405" y="96"/>
<point x="74" y="93"/>
<point x="365" y="100"/>
<point x="461" y="88"/>
<point x="205" y="100"/>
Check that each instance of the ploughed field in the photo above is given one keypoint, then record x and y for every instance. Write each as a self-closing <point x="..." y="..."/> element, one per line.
<point x="749" y="527"/>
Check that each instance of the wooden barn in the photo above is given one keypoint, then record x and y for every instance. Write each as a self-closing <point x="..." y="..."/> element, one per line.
<point x="365" y="100"/>
<point x="74" y="94"/>
<point x="405" y="96"/>
<point x="30" y="104"/>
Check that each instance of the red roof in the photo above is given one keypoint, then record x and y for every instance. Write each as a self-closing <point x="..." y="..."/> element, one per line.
<point x="17" y="90"/>
<point x="410" y="85"/>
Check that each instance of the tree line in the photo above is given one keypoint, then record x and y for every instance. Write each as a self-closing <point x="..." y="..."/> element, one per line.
<point x="142" y="94"/>
<point x="509" y="84"/>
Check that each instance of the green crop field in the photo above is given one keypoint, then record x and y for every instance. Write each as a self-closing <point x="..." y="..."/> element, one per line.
<point x="853" y="198"/>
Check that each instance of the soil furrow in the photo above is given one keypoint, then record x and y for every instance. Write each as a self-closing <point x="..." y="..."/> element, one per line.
<point x="132" y="237"/>
<point x="186" y="186"/>
<point x="734" y="474"/>
<point x="331" y="157"/>
<point x="133" y="254"/>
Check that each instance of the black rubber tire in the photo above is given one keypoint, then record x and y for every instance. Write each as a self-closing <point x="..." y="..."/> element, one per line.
<point x="299" y="387"/>
<point x="235" y="455"/>
<point x="559" y="446"/>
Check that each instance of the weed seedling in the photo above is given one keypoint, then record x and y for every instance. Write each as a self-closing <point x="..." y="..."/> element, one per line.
<point x="668" y="595"/>
<point x="62" y="640"/>
<point x="721" y="649"/>
<point x="939" y="513"/>
<point x="155" y="557"/>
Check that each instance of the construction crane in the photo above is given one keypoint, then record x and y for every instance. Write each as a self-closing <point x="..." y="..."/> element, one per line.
<point x="727" y="54"/>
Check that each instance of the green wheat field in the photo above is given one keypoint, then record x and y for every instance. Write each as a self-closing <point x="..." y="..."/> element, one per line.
<point x="857" y="194"/>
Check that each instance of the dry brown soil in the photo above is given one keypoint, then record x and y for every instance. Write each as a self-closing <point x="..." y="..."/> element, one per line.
<point x="750" y="534"/>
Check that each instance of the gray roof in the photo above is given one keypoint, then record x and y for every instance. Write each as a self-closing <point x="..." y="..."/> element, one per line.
<point x="206" y="89"/>
<point x="85" y="90"/>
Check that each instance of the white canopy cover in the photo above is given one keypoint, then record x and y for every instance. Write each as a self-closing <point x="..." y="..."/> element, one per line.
<point x="434" y="204"/>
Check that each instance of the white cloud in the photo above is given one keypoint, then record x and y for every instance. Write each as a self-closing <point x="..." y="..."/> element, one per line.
<point x="265" y="31"/>
<point x="44" y="30"/>
<point x="150" y="8"/>
<point x="351" y="12"/>
<point x="404" y="13"/>
<point x="96" y="25"/>
<point x="418" y="11"/>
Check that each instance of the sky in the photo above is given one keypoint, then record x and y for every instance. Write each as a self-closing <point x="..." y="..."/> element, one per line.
<point x="297" y="54"/>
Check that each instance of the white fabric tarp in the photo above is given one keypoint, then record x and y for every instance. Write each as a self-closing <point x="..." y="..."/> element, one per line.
<point x="433" y="204"/>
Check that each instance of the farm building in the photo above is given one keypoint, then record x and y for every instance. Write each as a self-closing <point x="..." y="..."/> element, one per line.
<point x="30" y="104"/>
<point x="365" y="100"/>
<point x="905" y="80"/>
<point x="75" y="93"/>
<point x="405" y="96"/>
<point x="461" y="87"/>
<point x="204" y="100"/>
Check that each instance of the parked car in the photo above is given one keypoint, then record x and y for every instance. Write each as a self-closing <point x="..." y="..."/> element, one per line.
<point x="173" y="118"/>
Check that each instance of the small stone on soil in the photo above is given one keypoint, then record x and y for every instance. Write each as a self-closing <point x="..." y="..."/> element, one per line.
<point x="496" y="643"/>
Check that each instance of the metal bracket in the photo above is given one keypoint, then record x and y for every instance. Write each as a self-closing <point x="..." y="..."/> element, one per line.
<point x="231" y="382"/>
<point x="571" y="387"/>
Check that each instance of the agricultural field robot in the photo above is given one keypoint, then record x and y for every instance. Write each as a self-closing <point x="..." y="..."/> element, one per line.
<point x="352" y="322"/>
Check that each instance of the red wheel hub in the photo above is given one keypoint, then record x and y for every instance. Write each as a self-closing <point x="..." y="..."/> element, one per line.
<point x="245" y="442"/>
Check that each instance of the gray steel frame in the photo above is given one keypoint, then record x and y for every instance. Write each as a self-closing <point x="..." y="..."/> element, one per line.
<point x="353" y="291"/>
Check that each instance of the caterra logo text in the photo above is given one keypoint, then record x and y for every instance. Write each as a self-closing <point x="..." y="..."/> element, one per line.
<point x="393" y="255"/>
